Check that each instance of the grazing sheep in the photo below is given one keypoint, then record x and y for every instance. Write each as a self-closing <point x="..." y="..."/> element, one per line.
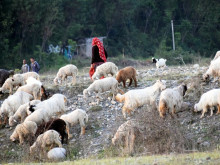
<point x="24" y="130"/>
<point x="4" y="74"/>
<point x="127" y="73"/>
<point x="56" y="153"/>
<point x="102" y="85"/>
<point x="105" y="69"/>
<point x="9" y="85"/>
<point x="33" y="89"/>
<point x="136" y="98"/>
<point x="32" y="80"/>
<point x="30" y="74"/>
<point x="48" y="138"/>
<point x="58" y="125"/>
<point x="45" y="110"/>
<point x="126" y="134"/>
<point x="68" y="70"/>
<point x="12" y="103"/>
<point x="214" y="70"/>
<point x="75" y="117"/>
<point x="171" y="99"/>
<point x="161" y="63"/>
<point x="21" y="113"/>
<point x="209" y="99"/>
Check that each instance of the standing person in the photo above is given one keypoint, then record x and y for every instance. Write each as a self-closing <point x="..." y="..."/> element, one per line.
<point x="99" y="55"/>
<point x="35" y="67"/>
<point x="25" y="67"/>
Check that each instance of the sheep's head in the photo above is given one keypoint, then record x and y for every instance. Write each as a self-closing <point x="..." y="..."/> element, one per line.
<point x="206" y="77"/>
<point x="154" y="60"/>
<point x="161" y="84"/>
<point x="95" y="75"/>
<point x="56" y="81"/>
<point x="12" y="121"/>
<point x="196" y="108"/>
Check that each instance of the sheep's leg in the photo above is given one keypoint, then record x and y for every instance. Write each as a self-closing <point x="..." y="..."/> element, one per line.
<point x="218" y="109"/>
<point x="74" y="80"/>
<point x="135" y="81"/>
<point x="130" y="82"/>
<point x="211" y="111"/>
<point x="68" y="131"/>
<point x="124" y="85"/>
<point x="126" y="142"/>
<point x="124" y="112"/>
<point x="132" y="139"/>
<point x="21" y="138"/>
<point x="203" y="112"/>
<point x="83" y="130"/>
<point x="58" y="143"/>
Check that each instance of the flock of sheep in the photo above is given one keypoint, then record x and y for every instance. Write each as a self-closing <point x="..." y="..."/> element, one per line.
<point x="40" y="119"/>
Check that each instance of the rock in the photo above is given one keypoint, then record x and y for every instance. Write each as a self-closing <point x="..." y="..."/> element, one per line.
<point x="206" y="144"/>
<point x="56" y="153"/>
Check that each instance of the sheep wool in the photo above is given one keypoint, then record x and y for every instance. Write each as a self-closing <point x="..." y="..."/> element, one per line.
<point x="33" y="89"/>
<point x="75" y="117"/>
<point x="105" y="69"/>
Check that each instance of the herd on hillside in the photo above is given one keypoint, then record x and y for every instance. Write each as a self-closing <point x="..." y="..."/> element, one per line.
<point x="41" y="120"/>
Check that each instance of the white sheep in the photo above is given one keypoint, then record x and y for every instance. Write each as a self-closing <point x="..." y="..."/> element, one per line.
<point x="45" y="110"/>
<point x="9" y="85"/>
<point x="161" y="63"/>
<point x="68" y="70"/>
<point x="22" y="78"/>
<point x="216" y="55"/>
<point x="75" y="117"/>
<point x="214" y="70"/>
<point x="209" y="99"/>
<point x="48" y="138"/>
<point x="24" y="130"/>
<point x="102" y="85"/>
<point x="21" y="113"/>
<point x="171" y="99"/>
<point x="56" y="153"/>
<point x="105" y="69"/>
<point x="136" y="98"/>
<point x="32" y="80"/>
<point x="33" y="89"/>
<point x="12" y="103"/>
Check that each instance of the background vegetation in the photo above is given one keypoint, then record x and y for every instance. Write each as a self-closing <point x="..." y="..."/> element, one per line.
<point x="140" y="29"/>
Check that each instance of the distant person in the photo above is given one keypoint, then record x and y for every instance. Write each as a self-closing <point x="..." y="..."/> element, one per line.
<point x="35" y="67"/>
<point x="99" y="55"/>
<point x="25" y="67"/>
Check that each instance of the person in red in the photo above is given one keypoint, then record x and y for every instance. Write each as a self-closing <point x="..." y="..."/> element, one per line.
<point x="99" y="55"/>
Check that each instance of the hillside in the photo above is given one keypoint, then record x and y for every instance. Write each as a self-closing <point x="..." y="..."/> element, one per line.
<point x="185" y="133"/>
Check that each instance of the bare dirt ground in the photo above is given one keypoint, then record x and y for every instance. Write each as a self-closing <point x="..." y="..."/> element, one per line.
<point x="105" y="116"/>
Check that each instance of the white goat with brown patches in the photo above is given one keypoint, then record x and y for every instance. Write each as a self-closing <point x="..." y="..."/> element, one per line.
<point x="171" y="99"/>
<point x="136" y="98"/>
<point x="209" y="99"/>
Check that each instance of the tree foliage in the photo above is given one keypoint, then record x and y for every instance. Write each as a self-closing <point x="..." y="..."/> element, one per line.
<point x="141" y="28"/>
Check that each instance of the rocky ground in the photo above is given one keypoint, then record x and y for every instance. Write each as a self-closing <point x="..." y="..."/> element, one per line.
<point x="105" y="115"/>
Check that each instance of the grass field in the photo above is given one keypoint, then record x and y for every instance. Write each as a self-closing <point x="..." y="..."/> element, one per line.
<point x="206" y="158"/>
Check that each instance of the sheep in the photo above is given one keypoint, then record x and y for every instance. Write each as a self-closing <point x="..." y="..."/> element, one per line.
<point x="209" y="99"/>
<point x="102" y="85"/>
<point x="22" y="78"/>
<point x="21" y="113"/>
<point x="24" y="130"/>
<point x="127" y="73"/>
<point x="127" y="134"/>
<point x="9" y="85"/>
<point x="214" y="70"/>
<point x="32" y="80"/>
<point x="58" y="125"/>
<point x="48" y="138"/>
<point x="4" y="74"/>
<point x="77" y="116"/>
<point x="56" y="153"/>
<point x="171" y="99"/>
<point x="45" y="110"/>
<point x="12" y="103"/>
<point x="105" y="69"/>
<point x="161" y="63"/>
<point x="136" y="98"/>
<point x="33" y="89"/>
<point x="68" y="70"/>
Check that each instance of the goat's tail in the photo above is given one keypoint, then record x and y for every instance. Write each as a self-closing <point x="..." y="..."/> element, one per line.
<point x="120" y="98"/>
<point x="162" y="107"/>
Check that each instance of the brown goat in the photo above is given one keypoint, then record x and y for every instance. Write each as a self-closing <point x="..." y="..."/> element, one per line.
<point x="127" y="73"/>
